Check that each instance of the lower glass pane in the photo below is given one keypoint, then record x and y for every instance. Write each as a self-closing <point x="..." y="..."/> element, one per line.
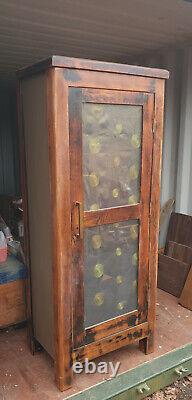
<point x="111" y="271"/>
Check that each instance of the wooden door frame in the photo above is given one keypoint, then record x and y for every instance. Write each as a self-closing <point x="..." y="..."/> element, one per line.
<point x="139" y="211"/>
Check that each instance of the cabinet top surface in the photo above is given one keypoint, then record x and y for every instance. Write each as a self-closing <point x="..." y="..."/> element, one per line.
<point x="78" y="63"/>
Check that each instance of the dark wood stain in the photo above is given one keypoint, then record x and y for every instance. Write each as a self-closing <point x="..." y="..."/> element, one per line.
<point x="172" y="274"/>
<point x="92" y="65"/>
<point x="180" y="228"/>
<point x="69" y="83"/>
<point x="71" y="75"/>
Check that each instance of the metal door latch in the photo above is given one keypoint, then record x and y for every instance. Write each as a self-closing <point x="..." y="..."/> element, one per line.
<point x="181" y="370"/>
<point x="144" y="388"/>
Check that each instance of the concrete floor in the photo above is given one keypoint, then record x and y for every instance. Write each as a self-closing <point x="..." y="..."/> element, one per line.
<point x="23" y="376"/>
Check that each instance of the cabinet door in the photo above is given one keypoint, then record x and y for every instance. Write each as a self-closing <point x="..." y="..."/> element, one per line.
<point x="111" y="158"/>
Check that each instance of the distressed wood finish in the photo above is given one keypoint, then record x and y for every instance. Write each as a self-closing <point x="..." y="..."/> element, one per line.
<point x="146" y="163"/>
<point x="70" y="82"/>
<point x="110" y="327"/>
<point x="111" y="215"/>
<point x="112" y="97"/>
<point x="75" y="143"/>
<point x="78" y="63"/>
<point x="113" y="342"/>
<point x="147" y="345"/>
<point x="96" y="80"/>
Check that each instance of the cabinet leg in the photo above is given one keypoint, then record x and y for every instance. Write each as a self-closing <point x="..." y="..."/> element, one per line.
<point x="64" y="381"/>
<point x="146" y="345"/>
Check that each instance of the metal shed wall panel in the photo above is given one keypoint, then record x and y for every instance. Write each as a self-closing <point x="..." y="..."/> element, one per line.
<point x="106" y="30"/>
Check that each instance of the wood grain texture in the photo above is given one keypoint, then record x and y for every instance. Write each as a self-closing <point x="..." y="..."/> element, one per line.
<point x="113" y="84"/>
<point x="179" y="230"/>
<point x="57" y="94"/>
<point x="179" y="252"/>
<point x="186" y="294"/>
<point x="146" y="165"/>
<point x="13" y="303"/>
<point x="111" y="343"/>
<point x="76" y="186"/>
<point x="148" y="344"/>
<point x="116" y="214"/>
<point x="111" y="215"/>
<point x="105" y="80"/>
<point x="110" y="327"/>
<point x="78" y="63"/>
<point x="113" y="97"/>
<point x="172" y="274"/>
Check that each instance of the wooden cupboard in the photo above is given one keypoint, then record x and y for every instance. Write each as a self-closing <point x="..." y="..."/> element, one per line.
<point x="91" y="141"/>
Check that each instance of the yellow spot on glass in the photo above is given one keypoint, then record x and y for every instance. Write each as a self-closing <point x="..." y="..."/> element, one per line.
<point x="134" y="285"/>
<point x="132" y="199"/>
<point x="118" y="251"/>
<point x="121" y="305"/>
<point x="96" y="241"/>
<point x="116" y="161"/>
<point x="115" y="193"/>
<point x="119" y="279"/>
<point x="94" y="145"/>
<point x="134" y="231"/>
<point x="99" y="299"/>
<point x="118" y="128"/>
<point x="135" y="259"/>
<point x="135" y="141"/>
<point x="93" y="180"/>
<point x="97" y="111"/>
<point x="94" y="207"/>
<point x="98" y="270"/>
<point x="133" y="172"/>
<point x="90" y="119"/>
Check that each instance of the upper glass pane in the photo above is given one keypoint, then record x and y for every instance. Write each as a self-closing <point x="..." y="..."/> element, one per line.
<point x="111" y="155"/>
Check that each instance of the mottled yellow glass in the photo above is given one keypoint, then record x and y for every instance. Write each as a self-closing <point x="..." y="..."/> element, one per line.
<point x="111" y="154"/>
<point x="111" y="270"/>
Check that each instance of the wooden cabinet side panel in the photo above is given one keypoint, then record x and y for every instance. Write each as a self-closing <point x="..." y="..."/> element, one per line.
<point x="33" y="92"/>
<point x="155" y="209"/>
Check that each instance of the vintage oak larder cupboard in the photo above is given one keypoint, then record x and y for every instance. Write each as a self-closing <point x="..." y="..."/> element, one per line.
<point x="92" y="139"/>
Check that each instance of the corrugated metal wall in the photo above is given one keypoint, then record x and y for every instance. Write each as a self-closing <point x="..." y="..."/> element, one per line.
<point x="177" y="148"/>
<point x="9" y="163"/>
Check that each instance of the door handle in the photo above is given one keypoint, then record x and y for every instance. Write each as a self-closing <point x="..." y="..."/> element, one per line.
<point x="78" y="228"/>
<point x="144" y="388"/>
<point x="181" y="371"/>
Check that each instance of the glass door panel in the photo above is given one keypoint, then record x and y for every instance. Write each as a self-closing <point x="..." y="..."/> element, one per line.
<point x="111" y="156"/>
<point x="111" y="271"/>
